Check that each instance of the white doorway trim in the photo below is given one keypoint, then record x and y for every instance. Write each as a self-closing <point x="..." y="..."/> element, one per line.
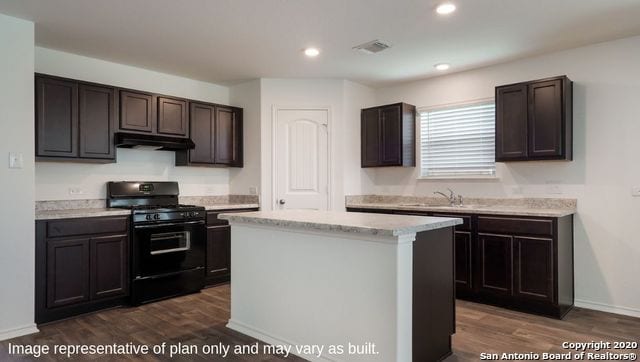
<point x="274" y="136"/>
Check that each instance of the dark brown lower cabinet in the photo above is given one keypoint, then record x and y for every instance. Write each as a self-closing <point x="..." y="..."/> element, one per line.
<point x="218" y="260"/>
<point x="82" y="265"/>
<point x="495" y="264"/>
<point x="533" y="268"/>
<point x="67" y="279"/>
<point x="108" y="266"/>
<point x="519" y="262"/>
<point x="463" y="263"/>
<point x="218" y="252"/>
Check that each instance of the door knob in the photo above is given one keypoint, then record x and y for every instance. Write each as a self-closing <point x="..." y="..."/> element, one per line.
<point x="282" y="202"/>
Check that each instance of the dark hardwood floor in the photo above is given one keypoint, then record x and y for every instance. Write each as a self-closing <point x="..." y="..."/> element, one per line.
<point x="200" y="319"/>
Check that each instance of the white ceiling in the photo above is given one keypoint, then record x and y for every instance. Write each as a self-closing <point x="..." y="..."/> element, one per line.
<point x="227" y="41"/>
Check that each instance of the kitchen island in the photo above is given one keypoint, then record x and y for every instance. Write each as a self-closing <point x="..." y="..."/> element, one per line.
<point x="348" y="286"/>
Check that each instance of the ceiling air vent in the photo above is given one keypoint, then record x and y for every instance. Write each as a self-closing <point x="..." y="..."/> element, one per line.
<point x="372" y="47"/>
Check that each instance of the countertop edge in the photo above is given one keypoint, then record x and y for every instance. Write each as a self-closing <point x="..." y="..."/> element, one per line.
<point x="327" y="227"/>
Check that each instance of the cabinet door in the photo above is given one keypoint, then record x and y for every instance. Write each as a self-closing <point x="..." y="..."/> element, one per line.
<point x="495" y="264"/>
<point x="202" y="119"/>
<point x="463" y="265"/>
<point x="109" y="266"/>
<point x="533" y="268"/>
<point x="370" y="137"/>
<point x="391" y="135"/>
<point x="67" y="272"/>
<point x="97" y="116"/>
<point x="172" y="116"/>
<point x="56" y="117"/>
<point x="136" y="111"/>
<point x="228" y="135"/>
<point x="218" y="251"/>
<point x="511" y="122"/>
<point x="545" y="119"/>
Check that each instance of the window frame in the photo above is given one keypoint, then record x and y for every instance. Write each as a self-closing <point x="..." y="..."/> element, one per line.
<point x="423" y="109"/>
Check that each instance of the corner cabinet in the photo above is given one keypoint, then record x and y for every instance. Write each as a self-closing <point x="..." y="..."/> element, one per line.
<point x="82" y="265"/>
<point x="217" y="132"/>
<point x="534" y="120"/>
<point x="74" y="120"/>
<point x="519" y="262"/>
<point x="388" y="136"/>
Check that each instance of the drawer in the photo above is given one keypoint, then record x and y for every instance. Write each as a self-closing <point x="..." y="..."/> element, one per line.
<point x="522" y="226"/>
<point x="88" y="226"/>
<point x="466" y="221"/>
<point x="214" y="220"/>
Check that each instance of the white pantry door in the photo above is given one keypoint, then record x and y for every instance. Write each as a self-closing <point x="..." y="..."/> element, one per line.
<point x="301" y="159"/>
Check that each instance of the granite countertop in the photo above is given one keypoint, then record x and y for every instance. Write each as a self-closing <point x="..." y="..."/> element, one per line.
<point x="68" y="209"/>
<point x="470" y="209"/>
<point x="516" y="206"/>
<point x="79" y="213"/>
<point x="349" y="222"/>
<point x="230" y="206"/>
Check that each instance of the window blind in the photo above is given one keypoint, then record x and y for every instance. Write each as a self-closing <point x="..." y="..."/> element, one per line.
<point x="458" y="141"/>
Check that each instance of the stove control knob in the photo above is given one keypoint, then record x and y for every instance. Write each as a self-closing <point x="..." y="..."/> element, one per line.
<point x="193" y="214"/>
<point x="156" y="216"/>
<point x="148" y="217"/>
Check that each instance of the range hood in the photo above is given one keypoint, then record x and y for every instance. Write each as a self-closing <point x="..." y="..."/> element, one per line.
<point x="155" y="142"/>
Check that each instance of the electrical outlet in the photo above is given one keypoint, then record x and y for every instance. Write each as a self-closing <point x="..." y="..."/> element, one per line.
<point x="16" y="160"/>
<point x="635" y="191"/>
<point x="516" y="190"/>
<point x="76" y="191"/>
<point x="253" y="190"/>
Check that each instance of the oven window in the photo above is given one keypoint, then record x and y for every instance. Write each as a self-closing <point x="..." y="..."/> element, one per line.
<point x="173" y="242"/>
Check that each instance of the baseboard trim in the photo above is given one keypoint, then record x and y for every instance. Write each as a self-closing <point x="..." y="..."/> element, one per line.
<point x="270" y="339"/>
<point x="17" y="332"/>
<point x="631" y="312"/>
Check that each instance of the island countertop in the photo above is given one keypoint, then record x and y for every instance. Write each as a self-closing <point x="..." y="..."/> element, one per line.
<point x="348" y="222"/>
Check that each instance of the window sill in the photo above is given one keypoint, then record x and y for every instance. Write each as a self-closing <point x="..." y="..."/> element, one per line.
<point x="469" y="177"/>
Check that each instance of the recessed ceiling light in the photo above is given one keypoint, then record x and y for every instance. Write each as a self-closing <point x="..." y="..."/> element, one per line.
<point x="445" y="8"/>
<point x="311" y="52"/>
<point x="442" y="66"/>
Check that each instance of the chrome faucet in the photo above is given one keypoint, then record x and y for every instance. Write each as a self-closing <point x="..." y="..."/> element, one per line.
<point x="452" y="198"/>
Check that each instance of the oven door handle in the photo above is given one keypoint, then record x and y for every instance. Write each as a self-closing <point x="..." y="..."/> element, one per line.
<point x="169" y="224"/>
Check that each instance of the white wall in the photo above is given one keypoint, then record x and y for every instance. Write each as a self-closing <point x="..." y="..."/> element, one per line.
<point x="605" y="166"/>
<point x="356" y="179"/>
<point x="16" y="185"/>
<point x="247" y="95"/>
<point x="53" y="180"/>
<point x="344" y="127"/>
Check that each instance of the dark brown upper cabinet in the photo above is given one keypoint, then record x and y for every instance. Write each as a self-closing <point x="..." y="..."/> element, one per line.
<point x="56" y="117"/>
<point x="388" y="136"/>
<point x="534" y="120"/>
<point x="136" y="112"/>
<point x="74" y="120"/>
<point x="228" y="137"/>
<point x="172" y="116"/>
<point x="202" y="124"/>
<point x="217" y="132"/>
<point x="97" y="116"/>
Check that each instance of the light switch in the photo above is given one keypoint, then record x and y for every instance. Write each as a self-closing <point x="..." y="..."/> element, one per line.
<point x="15" y="160"/>
<point x="253" y="190"/>
<point x="635" y="191"/>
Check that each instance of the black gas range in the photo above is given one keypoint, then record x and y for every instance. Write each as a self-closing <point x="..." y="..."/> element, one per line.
<point x="168" y="239"/>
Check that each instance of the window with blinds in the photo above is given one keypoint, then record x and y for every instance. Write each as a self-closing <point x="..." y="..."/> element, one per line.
<point x="458" y="141"/>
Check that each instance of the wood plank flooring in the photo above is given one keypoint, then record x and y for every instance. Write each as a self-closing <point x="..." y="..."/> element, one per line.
<point x="200" y="318"/>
